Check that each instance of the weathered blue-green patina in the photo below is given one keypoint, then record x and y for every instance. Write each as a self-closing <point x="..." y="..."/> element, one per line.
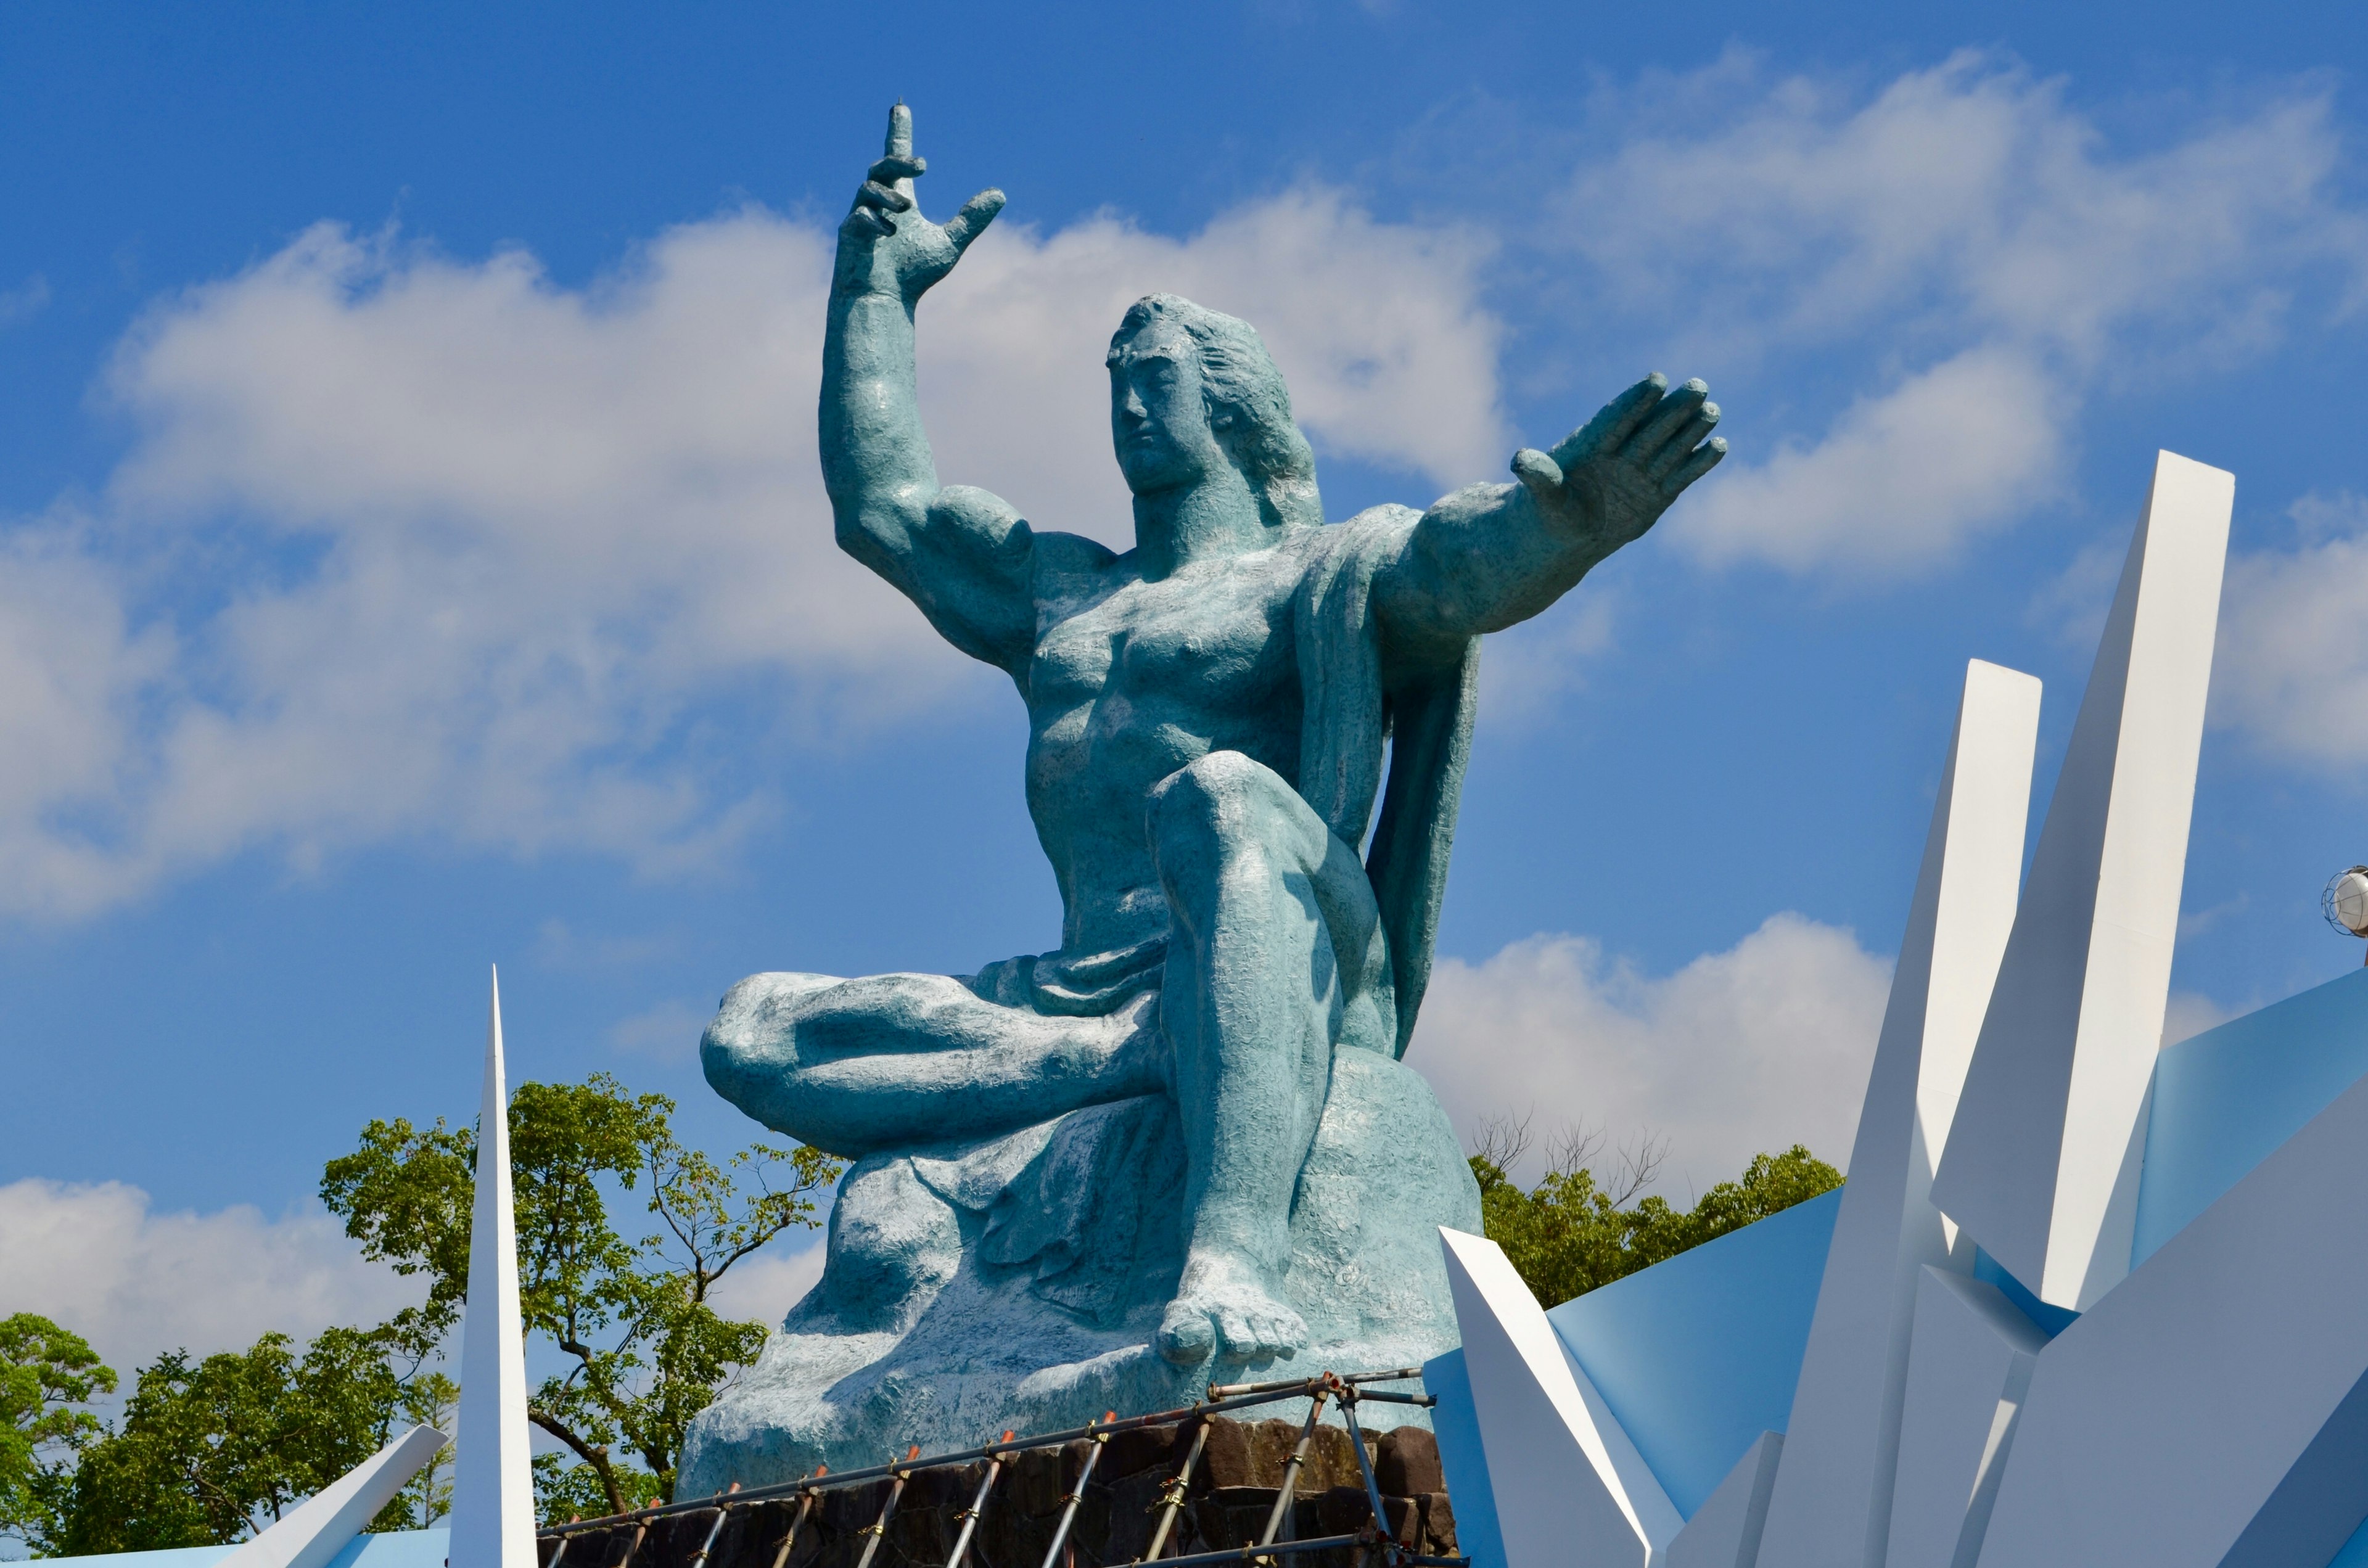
<point x="1184" y="1138"/>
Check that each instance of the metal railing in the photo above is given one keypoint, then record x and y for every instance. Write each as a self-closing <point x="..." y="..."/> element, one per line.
<point x="1378" y="1547"/>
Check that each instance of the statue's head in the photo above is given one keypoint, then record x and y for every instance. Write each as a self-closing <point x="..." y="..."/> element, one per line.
<point x="1193" y="387"/>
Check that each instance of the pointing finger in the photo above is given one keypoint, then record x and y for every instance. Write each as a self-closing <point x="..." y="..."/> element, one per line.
<point x="1682" y="444"/>
<point x="1703" y="459"/>
<point x="900" y="130"/>
<point x="975" y="214"/>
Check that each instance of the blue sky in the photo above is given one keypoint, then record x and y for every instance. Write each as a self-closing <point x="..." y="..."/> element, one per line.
<point x="411" y="554"/>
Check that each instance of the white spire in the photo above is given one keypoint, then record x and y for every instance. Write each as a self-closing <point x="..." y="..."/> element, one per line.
<point x="2041" y="1162"/>
<point x="493" y="1485"/>
<point x="1832" y="1500"/>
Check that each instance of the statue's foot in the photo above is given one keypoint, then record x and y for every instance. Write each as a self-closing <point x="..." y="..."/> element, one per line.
<point x="1226" y="1307"/>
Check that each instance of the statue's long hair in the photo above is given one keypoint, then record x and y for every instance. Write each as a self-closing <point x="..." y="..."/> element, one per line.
<point x="1250" y="406"/>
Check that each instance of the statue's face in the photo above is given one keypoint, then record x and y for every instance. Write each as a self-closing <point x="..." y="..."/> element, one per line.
<point x="1160" y="420"/>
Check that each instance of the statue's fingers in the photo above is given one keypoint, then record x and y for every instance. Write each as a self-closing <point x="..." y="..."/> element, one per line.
<point x="888" y="171"/>
<point x="900" y="130"/>
<point x="1615" y="423"/>
<point x="975" y="214"/>
<point x="1539" y="473"/>
<point x="1662" y="427"/>
<point x="1681" y="445"/>
<point x="880" y="199"/>
<point x="865" y="222"/>
<point x="1700" y="462"/>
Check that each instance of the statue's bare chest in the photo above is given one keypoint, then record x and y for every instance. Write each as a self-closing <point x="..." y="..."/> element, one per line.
<point x="1215" y="639"/>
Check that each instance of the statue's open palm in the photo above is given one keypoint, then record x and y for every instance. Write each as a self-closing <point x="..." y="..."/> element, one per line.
<point x="885" y="243"/>
<point x="1613" y="477"/>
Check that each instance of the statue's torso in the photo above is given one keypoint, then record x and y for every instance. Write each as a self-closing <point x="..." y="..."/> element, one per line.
<point x="1130" y="680"/>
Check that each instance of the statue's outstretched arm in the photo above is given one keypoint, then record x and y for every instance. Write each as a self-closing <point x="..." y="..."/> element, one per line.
<point x="1490" y="555"/>
<point x="963" y="555"/>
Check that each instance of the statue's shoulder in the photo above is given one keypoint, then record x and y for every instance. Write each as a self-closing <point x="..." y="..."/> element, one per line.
<point x="1375" y="530"/>
<point x="1064" y="556"/>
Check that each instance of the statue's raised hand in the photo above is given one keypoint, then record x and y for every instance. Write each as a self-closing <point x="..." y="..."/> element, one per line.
<point x="885" y="244"/>
<point x="1613" y="477"/>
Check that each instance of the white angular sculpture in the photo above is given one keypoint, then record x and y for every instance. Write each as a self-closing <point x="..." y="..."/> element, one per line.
<point x="1725" y="1531"/>
<point x="493" y="1481"/>
<point x="309" y="1535"/>
<point x="1570" y="1485"/>
<point x="1966" y="1379"/>
<point x="1832" y="1499"/>
<point x="2042" y="1161"/>
<point x="2213" y="1408"/>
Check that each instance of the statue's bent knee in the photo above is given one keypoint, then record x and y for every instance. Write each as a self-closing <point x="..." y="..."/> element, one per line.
<point x="1222" y="797"/>
<point x="750" y="1051"/>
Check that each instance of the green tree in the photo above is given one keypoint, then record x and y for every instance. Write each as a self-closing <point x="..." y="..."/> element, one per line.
<point x="1575" y="1230"/>
<point x="211" y="1451"/>
<point x="643" y="1351"/>
<point x="48" y="1378"/>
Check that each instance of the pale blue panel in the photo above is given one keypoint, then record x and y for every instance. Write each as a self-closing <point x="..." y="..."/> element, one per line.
<point x="2226" y="1098"/>
<point x="1698" y="1356"/>
<point x="396" y="1548"/>
<point x="171" y="1557"/>
<point x="1457" y="1426"/>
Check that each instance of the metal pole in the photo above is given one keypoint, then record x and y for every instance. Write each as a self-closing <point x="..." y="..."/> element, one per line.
<point x="970" y="1515"/>
<point x="878" y="1528"/>
<point x="1173" y="1500"/>
<point x="1078" y="1494"/>
<point x="1365" y="1467"/>
<point x="805" y="1506"/>
<point x="560" y="1552"/>
<point x="1291" y="1472"/>
<point x="722" y="1512"/>
<point x="640" y="1531"/>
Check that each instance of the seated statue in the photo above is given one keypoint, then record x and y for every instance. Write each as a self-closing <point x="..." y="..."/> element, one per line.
<point x="1134" y="1130"/>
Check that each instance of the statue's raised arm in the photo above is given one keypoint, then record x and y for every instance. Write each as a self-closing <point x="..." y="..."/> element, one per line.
<point x="1491" y="555"/>
<point x="963" y="555"/>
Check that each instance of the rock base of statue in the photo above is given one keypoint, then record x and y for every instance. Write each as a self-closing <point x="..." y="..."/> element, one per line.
<point x="1016" y="1284"/>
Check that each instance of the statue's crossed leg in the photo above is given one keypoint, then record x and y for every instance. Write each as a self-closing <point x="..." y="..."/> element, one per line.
<point x="1274" y="958"/>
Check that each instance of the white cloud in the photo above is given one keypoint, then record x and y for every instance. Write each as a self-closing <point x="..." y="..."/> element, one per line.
<point x="406" y="544"/>
<point x="1977" y="247"/>
<point x="1900" y="480"/>
<point x="1753" y="1049"/>
<point x="2291" y="668"/>
<point x="764" y="1286"/>
<point x="135" y="1282"/>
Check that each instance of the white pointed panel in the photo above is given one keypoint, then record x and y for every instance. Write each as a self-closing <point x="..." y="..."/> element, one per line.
<point x="1832" y="1499"/>
<point x="2213" y="1408"/>
<point x="309" y="1535"/>
<point x="492" y="1480"/>
<point x="1725" y="1531"/>
<point x="1966" y="1381"/>
<point x="1560" y="1496"/>
<point x="2037" y="1165"/>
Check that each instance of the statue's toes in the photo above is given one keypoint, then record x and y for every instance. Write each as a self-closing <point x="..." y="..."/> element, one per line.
<point x="1186" y="1336"/>
<point x="1258" y="1332"/>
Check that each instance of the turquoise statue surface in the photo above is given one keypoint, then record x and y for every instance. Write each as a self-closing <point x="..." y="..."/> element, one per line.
<point x="1182" y="1145"/>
